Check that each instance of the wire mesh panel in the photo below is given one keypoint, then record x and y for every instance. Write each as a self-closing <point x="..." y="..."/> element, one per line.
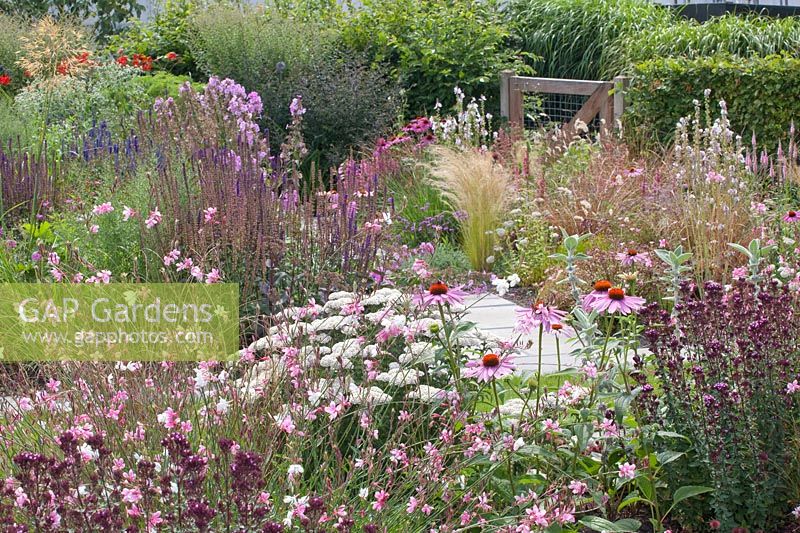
<point x="544" y="102"/>
<point x="552" y="109"/>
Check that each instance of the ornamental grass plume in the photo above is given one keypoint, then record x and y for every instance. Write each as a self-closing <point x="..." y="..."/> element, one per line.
<point x="54" y="49"/>
<point x="473" y="183"/>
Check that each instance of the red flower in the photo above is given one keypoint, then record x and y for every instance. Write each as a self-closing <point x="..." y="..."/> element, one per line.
<point x="83" y="57"/>
<point x="62" y="68"/>
<point x="171" y="56"/>
<point x="122" y="60"/>
<point x="5" y="79"/>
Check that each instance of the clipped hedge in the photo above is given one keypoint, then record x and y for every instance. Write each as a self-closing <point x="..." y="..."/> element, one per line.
<point x="762" y="93"/>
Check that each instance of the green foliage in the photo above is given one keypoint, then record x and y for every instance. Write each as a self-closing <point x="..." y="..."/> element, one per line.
<point x="347" y="103"/>
<point x="13" y="126"/>
<point x="162" y="84"/>
<point x="11" y="29"/>
<point x="108" y="16"/>
<point x="434" y="46"/>
<point x="422" y="213"/>
<point x="107" y="94"/>
<point x="733" y="34"/>
<point x="572" y="38"/>
<point x="762" y="94"/>
<point x="530" y="247"/>
<point x="449" y="258"/>
<point x="168" y="31"/>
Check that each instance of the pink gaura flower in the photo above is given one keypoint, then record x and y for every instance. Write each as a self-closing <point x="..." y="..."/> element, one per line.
<point x="128" y="213"/>
<point x="131" y="495"/>
<point x="538" y="516"/>
<point x="381" y="497"/>
<point x="171" y="257"/>
<point x="103" y="208"/>
<point x="186" y="264"/>
<point x="490" y="366"/>
<point x="213" y="276"/>
<point x="169" y="418"/>
<point x="94" y="228"/>
<point x="154" y="521"/>
<point x="420" y="268"/>
<point x="539" y="314"/>
<point x="439" y="294"/>
<point x="334" y="410"/>
<point x="627" y="471"/>
<point x="208" y="214"/>
<point x="154" y="219"/>
<point x="631" y="256"/>
<point x="616" y="301"/>
<point x="792" y="387"/>
<point x="578" y="488"/>
<point x="57" y="274"/>
<point x="197" y="273"/>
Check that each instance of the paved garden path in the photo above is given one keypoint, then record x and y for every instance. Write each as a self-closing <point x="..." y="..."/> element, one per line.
<point x="498" y="316"/>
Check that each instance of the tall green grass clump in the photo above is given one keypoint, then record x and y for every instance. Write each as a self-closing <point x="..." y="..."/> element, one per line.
<point x="732" y="35"/>
<point x="573" y="38"/>
<point x="471" y="182"/>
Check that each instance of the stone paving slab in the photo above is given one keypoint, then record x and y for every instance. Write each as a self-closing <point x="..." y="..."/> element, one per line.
<point x="497" y="315"/>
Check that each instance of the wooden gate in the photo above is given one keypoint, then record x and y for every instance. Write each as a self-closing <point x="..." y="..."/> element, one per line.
<point x="605" y="98"/>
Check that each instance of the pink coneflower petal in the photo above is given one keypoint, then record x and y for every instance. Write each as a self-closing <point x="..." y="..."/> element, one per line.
<point x="490" y="366"/>
<point x="439" y="294"/>
<point x="791" y="216"/>
<point x="539" y="314"/>
<point x="616" y="301"/>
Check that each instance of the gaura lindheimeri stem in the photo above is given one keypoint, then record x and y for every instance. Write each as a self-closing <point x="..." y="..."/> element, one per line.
<point x="539" y="371"/>
<point x="500" y="423"/>
<point x="558" y="353"/>
<point x="451" y="356"/>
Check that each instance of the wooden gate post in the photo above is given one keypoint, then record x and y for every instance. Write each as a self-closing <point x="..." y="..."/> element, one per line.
<point x="505" y="88"/>
<point x="620" y="88"/>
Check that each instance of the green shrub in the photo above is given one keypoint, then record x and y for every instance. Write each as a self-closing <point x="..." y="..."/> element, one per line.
<point x="162" y="84"/>
<point x="104" y="17"/>
<point x="433" y="46"/>
<point x="762" y="94"/>
<point x="11" y="29"/>
<point x="279" y="58"/>
<point x="449" y="257"/>
<point x="168" y="31"/>
<point x="572" y="38"/>
<point x="738" y="35"/>
<point x="108" y="93"/>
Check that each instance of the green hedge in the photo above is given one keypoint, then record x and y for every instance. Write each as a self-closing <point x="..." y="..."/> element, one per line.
<point x="763" y="95"/>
